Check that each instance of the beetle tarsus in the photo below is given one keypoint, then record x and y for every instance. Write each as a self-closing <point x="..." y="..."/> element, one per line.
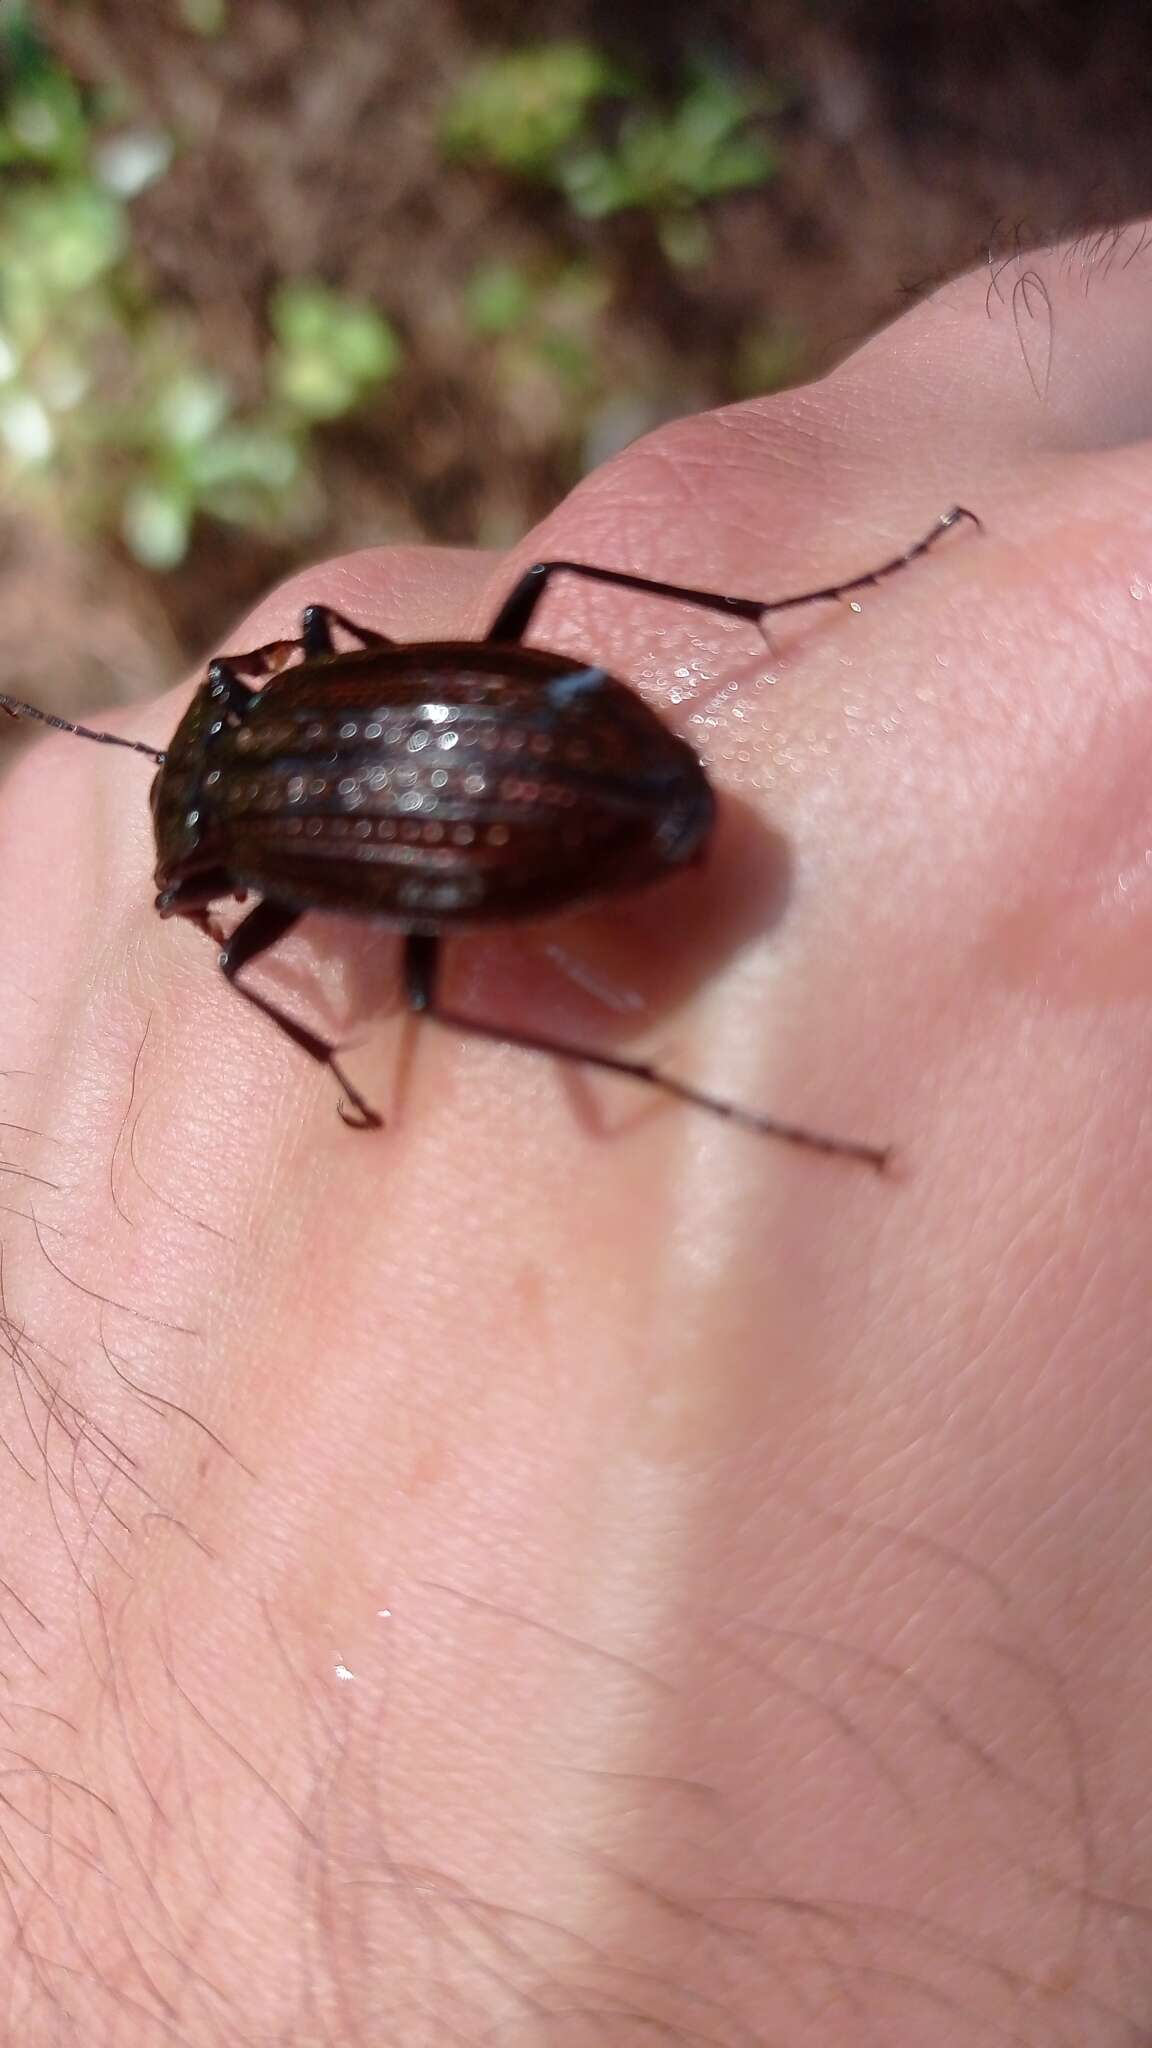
<point x="257" y="934"/>
<point x="869" y="577"/>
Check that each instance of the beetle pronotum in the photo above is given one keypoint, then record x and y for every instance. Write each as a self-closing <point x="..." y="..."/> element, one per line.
<point x="438" y="786"/>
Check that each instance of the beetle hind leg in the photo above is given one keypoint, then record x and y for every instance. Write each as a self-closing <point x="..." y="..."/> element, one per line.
<point x="422" y="954"/>
<point x="261" y="930"/>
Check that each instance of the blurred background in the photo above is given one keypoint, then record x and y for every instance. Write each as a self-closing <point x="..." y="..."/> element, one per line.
<point x="280" y="278"/>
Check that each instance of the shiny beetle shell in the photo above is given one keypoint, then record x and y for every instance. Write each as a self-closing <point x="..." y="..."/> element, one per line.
<point x="439" y="786"/>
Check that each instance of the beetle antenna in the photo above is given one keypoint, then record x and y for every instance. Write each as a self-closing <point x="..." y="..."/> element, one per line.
<point x="16" y="709"/>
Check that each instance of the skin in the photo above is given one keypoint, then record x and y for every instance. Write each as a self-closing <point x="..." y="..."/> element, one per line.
<point x="563" y="1571"/>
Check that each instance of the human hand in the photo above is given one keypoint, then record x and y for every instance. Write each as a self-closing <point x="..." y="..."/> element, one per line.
<point x="562" y="1570"/>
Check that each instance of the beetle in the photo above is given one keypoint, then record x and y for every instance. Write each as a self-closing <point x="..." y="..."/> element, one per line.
<point x="438" y="786"/>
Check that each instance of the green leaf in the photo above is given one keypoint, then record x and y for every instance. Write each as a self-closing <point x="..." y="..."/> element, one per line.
<point x="44" y="123"/>
<point x="70" y="235"/>
<point x="307" y="315"/>
<point x="595" y="184"/>
<point x="498" y="297"/>
<point x="312" y="387"/>
<point x="742" y="161"/>
<point x="258" y="457"/>
<point x="567" y="354"/>
<point x="156" y="524"/>
<point x="191" y="407"/>
<point x="331" y="349"/>
<point x="685" y="238"/>
<point x="205" y="17"/>
<point x="519" y="111"/>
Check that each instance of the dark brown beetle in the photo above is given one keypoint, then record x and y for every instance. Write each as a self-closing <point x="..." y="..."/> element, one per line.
<point x="437" y="786"/>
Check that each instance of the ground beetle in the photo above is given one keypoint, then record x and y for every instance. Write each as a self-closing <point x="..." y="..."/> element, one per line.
<point x="437" y="786"/>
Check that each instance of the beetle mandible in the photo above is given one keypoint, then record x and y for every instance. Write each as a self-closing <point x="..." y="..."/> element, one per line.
<point x="438" y="786"/>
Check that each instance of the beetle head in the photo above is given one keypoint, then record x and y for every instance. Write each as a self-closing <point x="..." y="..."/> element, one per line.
<point x="182" y="822"/>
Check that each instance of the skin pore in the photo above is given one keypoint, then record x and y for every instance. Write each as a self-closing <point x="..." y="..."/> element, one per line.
<point x="561" y="1571"/>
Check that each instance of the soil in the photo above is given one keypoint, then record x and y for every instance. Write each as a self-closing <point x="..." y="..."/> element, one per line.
<point x="915" y="135"/>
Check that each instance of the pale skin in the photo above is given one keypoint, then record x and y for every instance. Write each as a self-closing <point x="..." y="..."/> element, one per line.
<point x="606" y="1577"/>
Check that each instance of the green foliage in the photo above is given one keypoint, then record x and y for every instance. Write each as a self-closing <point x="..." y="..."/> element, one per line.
<point x="538" y="113"/>
<point x="698" y="150"/>
<point x="188" y="452"/>
<point x="541" y="327"/>
<point x="330" y="351"/>
<point x="522" y="111"/>
<point x="108" y="415"/>
<point x="549" y="313"/>
<point x="499" y="298"/>
<point x="205" y="17"/>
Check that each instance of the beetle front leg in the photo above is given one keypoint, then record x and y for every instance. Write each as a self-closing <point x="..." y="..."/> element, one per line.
<point x="260" y="930"/>
<point x="313" y="641"/>
<point x="260" y="661"/>
<point x="228" y="693"/>
<point x="316" y="623"/>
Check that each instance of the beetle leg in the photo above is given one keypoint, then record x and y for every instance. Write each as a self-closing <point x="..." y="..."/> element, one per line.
<point x="261" y="661"/>
<point x="191" y="897"/>
<point x="513" y="618"/>
<point x="422" y="953"/>
<point x="314" y="639"/>
<point x="316" y="623"/>
<point x="259" y="931"/>
<point x="227" y="688"/>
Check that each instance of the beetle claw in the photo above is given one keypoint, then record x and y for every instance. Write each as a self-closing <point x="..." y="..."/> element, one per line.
<point x="359" y="1117"/>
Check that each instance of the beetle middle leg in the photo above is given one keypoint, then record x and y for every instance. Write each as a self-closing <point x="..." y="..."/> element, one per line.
<point x="259" y="931"/>
<point x="422" y="958"/>
<point x="515" y="614"/>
